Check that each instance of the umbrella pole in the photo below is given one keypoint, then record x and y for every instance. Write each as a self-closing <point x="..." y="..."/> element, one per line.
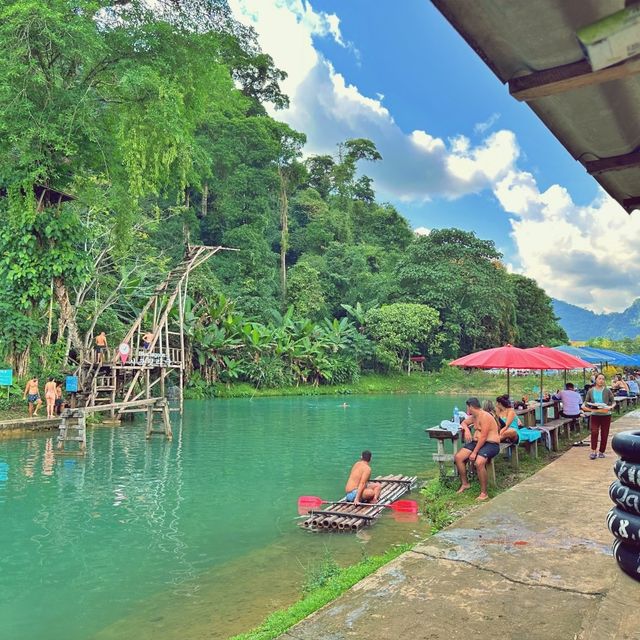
<point x="584" y="377"/>
<point x="508" y="392"/>
<point x="542" y="409"/>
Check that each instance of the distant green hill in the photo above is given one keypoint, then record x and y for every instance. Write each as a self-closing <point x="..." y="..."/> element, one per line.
<point x="581" y="324"/>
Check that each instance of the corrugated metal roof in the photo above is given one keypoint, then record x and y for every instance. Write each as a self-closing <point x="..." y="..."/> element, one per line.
<point x="518" y="39"/>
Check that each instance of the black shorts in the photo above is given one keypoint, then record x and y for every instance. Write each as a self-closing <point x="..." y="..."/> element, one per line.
<point x="488" y="450"/>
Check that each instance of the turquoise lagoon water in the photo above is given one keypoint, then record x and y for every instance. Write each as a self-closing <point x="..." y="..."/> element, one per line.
<point x="194" y="538"/>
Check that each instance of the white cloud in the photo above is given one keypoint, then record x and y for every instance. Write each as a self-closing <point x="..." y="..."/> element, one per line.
<point x="416" y="165"/>
<point x="576" y="253"/>
<point x="483" y="127"/>
<point x="422" y="231"/>
<point x="580" y="254"/>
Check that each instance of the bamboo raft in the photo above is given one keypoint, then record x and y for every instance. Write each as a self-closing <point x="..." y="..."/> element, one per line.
<point x="346" y="516"/>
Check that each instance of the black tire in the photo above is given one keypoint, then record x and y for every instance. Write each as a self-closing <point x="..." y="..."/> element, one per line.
<point x="627" y="445"/>
<point x="626" y="498"/>
<point x="624" y="526"/>
<point x="628" y="473"/>
<point x="628" y="559"/>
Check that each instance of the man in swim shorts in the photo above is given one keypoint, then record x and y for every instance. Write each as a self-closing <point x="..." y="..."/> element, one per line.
<point x="484" y="446"/>
<point x="100" y="346"/>
<point x="358" y="487"/>
<point x="32" y="395"/>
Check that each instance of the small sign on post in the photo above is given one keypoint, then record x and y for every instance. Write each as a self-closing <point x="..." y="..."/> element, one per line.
<point x="71" y="384"/>
<point x="6" y="379"/>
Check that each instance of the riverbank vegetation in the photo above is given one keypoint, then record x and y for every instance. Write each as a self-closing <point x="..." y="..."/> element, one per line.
<point x="127" y="132"/>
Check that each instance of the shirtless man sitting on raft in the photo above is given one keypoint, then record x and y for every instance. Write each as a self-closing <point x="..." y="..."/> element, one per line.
<point x="358" y="487"/>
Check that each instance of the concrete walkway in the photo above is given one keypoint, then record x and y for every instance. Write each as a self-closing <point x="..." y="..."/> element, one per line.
<point x="532" y="563"/>
<point x="18" y="425"/>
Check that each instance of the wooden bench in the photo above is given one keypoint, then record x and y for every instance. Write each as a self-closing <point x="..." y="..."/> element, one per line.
<point x="554" y="427"/>
<point x="512" y="450"/>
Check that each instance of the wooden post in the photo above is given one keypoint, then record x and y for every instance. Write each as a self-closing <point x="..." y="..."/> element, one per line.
<point x="182" y="300"/>
<point x="149" y="420"/>
<point x="167" y="420"/>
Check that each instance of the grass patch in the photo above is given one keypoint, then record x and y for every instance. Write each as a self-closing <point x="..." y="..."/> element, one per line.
<point x="443" y="505"/>
<point x="449" y="380"/>
<point x="326" y="590"/>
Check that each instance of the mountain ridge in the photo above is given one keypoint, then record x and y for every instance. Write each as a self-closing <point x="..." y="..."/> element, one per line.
<point x="582" y="324"/>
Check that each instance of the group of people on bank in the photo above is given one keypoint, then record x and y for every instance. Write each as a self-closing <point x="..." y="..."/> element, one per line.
<point x="486" y="426"/>
<point x="52" y="394"/>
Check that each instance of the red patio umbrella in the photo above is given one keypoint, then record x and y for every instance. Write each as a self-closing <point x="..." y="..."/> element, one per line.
<point x="563" y="360"/>
<point x="507" y="357"/>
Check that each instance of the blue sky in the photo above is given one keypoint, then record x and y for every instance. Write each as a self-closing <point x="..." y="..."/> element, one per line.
<point x="457" y="150"/>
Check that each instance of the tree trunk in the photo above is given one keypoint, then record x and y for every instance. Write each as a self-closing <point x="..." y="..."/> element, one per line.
<point x="284" y="235"/>
<point x="205" y="197"/>
<point x="68" y="316"/>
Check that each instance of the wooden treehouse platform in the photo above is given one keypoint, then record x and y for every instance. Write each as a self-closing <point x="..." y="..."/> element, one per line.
<point x="152" y="358"/>
<point x="346" y="516"/>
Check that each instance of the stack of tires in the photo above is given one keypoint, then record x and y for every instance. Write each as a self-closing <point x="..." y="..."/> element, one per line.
<point x="624" y="519"/>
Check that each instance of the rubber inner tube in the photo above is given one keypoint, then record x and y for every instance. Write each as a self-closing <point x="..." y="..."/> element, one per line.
<point x="628" y="473"/>
<point x="625" y="497"/>
<point x="628" y="558"/>
<point x="624" y="526"/>
<point x="627" y="445"/>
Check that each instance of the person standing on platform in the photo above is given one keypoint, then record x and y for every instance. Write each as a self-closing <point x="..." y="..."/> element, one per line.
<point x="50" y="397"/>
<point x="32" y="395"/>
<point x="59" y="400"/>
<point x="146" y="340"/>
<point x="101" y="346"/>
<point x="599" y="403"/>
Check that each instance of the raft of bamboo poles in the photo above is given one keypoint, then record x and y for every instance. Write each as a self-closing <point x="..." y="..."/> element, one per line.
<point x="346" y="516"/>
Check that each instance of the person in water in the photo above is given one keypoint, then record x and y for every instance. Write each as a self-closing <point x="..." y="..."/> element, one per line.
<point x="484" y="446"/>
<point x="358" y="487"/>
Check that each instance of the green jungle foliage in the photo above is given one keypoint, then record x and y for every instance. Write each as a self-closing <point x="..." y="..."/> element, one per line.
<point x="155" y="121"/>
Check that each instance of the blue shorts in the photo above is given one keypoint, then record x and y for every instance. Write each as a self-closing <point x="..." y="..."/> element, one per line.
<point x="351" y="496"/>
<point x="33" y="397"/>
<point x="488" y="450"/>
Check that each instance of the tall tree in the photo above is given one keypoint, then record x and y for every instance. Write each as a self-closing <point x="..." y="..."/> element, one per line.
<point x="105" y="99"/>
<point x="536" y="323"/>
<point x="461" y="276"/>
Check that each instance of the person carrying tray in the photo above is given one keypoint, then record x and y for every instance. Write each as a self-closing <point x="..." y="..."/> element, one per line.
<point x="358" y="487"/>
<point x="599" y="403"/>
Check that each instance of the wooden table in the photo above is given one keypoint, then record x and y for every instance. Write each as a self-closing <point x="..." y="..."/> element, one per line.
<point x="441" y="436"/>
<point x="528" y="415"/>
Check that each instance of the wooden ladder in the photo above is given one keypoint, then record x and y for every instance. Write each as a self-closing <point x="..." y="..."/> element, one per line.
<point x="73" y="428"/>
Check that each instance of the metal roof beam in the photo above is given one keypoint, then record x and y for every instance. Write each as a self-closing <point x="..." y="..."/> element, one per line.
<point x="630" y="204"/>
<point x="576" y="75"/>
<point x="614" y="163"/>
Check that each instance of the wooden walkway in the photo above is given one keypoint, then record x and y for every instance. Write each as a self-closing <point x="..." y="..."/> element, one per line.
<point x="346" y="516"/>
